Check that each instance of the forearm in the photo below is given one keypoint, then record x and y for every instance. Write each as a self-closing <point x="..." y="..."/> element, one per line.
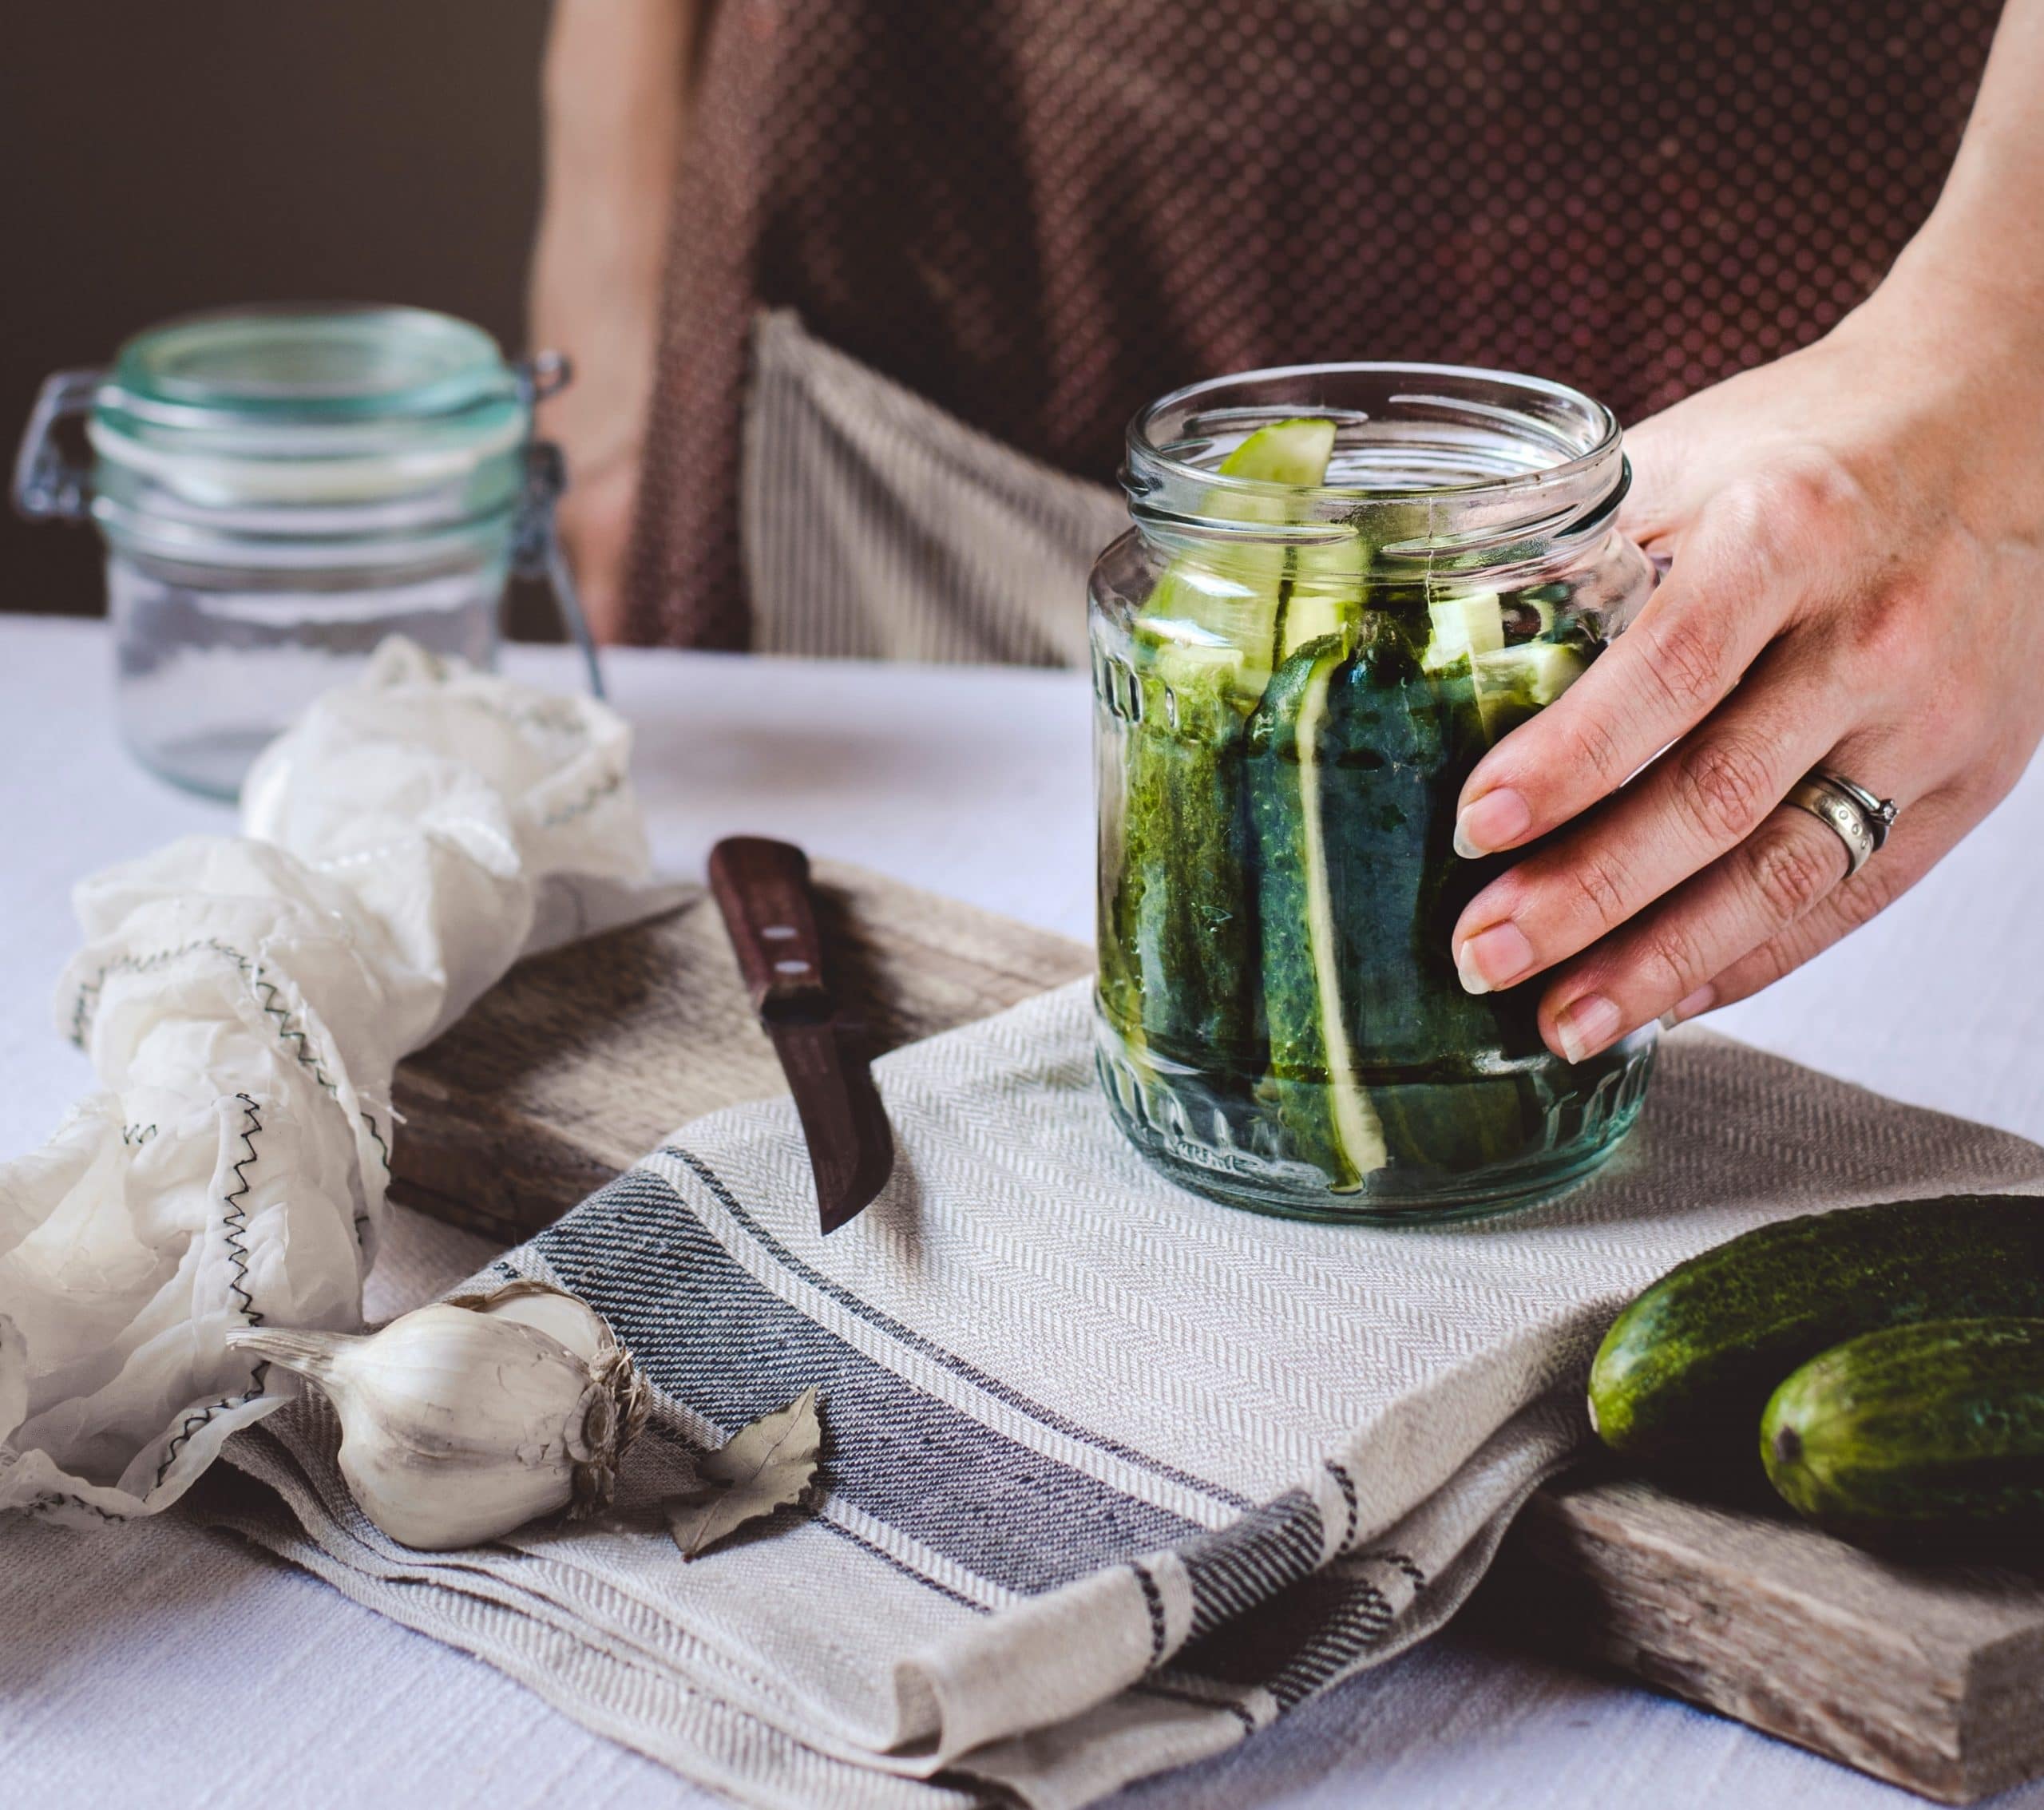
<point x="1982" y="247"/>
<point x="616" y="87"/>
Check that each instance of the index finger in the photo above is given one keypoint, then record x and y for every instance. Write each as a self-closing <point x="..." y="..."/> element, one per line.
<point x="1719" y="607"/>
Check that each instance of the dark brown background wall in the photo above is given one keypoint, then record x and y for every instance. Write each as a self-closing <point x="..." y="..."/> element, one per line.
<point x="159" y="158"/>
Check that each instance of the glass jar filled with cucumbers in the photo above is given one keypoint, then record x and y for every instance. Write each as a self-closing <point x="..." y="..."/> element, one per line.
<point x="1345" y="583"/>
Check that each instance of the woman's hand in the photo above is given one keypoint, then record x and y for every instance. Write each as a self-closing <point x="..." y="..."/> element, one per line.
<point x="1857" y="533"/>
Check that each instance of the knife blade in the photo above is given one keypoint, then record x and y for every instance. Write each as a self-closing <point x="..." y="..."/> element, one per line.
<point x="762" y="889"/>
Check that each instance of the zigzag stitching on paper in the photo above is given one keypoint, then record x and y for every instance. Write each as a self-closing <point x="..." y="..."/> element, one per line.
<point x="235" y="1223"/>
<point x="552" y="716"/>
<point x="193" y="1422"/>
<point x="287" y="1032"/>
<point x="59" y="1498"/>
<point x="599" y="790"/>
<point x="376" y="1138"/>
<point x="89" y="991"/>
<point x="237" y="1215"/>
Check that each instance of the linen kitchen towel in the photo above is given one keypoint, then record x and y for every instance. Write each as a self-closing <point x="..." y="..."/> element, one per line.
<point x="1114" y="1476"/>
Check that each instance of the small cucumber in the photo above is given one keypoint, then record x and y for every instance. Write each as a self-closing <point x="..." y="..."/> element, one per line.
<point x="1936" y="1427"/>
<point x="1684" y="1372"/>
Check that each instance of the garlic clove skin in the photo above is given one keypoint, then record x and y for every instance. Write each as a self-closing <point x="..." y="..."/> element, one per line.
<point x="579" y="1327"/>
<point x="462" y="1421"/>
<point x="566" y="1317"/>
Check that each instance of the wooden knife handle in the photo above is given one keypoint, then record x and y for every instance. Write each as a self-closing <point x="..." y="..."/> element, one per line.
<point x="762" y="887"/>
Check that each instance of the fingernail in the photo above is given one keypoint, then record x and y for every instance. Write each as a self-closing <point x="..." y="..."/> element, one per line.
<point x="1494" y="957"/>
<point x="1586" y="1025"/>
<point x="1698" y="1002"/>
<point x="1495" y="820"/>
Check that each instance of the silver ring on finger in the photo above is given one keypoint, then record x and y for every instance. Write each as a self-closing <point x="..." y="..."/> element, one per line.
<point x="1860" y="820"/>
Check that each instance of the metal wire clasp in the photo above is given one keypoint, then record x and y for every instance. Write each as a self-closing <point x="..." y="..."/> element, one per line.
<point x="536" y="551"/>
<point x="47" y="486"/>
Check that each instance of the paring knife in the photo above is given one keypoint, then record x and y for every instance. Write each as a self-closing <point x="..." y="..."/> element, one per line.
<point x="762" y="889"/>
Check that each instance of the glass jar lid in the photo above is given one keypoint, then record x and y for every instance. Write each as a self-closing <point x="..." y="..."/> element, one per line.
<point x="297" y="404"/>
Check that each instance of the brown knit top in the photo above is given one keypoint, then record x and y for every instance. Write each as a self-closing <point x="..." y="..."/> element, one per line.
<point x="1040" y="214"/>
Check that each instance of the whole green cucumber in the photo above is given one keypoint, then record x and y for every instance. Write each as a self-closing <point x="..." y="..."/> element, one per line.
<point x="1684" y="1372"/>
<point x="1936" y="1427"/>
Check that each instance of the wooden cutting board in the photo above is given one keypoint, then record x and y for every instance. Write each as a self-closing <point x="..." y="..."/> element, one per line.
<point x="581" y="1061"/>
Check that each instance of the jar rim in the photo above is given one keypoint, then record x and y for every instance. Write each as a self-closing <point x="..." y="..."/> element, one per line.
<point x="1545" y="408"/>
<point x="309" y="364"/>
<point x="298" y="405"/>
<point x="1430" y="462"/>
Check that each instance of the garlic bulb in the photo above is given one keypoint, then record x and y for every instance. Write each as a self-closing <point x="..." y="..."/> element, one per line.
<point x="464" y="1419"/>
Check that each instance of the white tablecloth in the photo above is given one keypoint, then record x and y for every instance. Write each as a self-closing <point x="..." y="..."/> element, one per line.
<point x="190" y="1672"/>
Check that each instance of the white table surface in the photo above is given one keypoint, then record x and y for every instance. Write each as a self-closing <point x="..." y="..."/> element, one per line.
<point x="190" y="1672"/>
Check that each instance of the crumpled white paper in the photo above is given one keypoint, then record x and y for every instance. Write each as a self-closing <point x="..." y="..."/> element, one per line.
<point x="244" y="1001"/>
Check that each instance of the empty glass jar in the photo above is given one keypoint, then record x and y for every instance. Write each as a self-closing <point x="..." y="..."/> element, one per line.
<point x="1343" y="584"/>
<point x="280" y="489"/>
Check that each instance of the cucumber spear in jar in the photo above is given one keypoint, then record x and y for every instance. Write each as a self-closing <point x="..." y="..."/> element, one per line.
<point x="1345" y="754"/>
<point x="1183" y="907"/>
<point x="1178" y="964"/>
<point x="1307" y="924"/>
<point x="1232" y="589"/>
<point x="1378" y="1056"/>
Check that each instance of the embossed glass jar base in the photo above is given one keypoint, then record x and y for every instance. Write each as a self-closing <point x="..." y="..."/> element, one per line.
<point x="1229" y="1148"/>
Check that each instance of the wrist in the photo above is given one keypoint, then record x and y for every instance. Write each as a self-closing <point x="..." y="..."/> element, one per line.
<point x="1965" y="294"/>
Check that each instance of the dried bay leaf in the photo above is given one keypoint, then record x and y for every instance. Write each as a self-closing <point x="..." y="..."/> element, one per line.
<point x="758" y="1469"/>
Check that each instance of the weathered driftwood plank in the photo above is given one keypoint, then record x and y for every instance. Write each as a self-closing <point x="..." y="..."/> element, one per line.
<point x="1931" y="1677"/>
<point x="581" y="1061"/>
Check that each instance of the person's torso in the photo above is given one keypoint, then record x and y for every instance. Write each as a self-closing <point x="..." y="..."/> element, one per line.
<point x="1038" y="214"/>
